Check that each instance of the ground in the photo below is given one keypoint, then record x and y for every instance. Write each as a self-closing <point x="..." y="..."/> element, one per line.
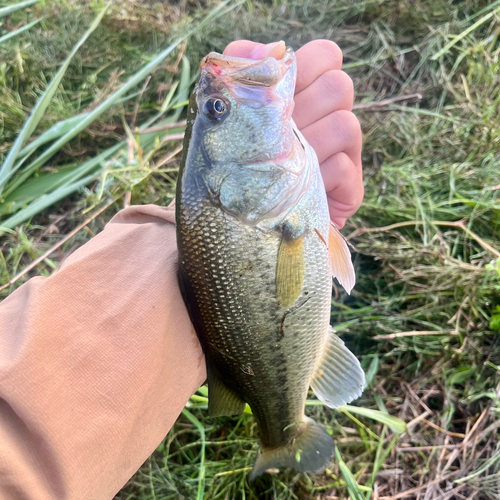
<point x="424" y="317"/>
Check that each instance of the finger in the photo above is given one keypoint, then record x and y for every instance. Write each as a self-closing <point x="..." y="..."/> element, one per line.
<point x="344" y="187"/>
<point x="337" y="132"/>
<point x="253" y="50"/>
<point x="314" y="59"/>
<point x="332" y="91"/>
<point x="240" y="48"/>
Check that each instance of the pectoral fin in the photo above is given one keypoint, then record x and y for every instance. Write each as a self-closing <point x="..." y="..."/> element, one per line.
<point x="290" y="268"/>
<point x="339" y="378"/>
<point x="340" y="259"/>
<point x="222" y="401"/>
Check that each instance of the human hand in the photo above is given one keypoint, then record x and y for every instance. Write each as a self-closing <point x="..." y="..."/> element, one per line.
<point x="324" y="97"/>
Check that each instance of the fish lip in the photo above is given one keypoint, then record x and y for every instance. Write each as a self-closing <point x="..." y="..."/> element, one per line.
<point x="240" y="62"/>
<point x="263" y="72"/>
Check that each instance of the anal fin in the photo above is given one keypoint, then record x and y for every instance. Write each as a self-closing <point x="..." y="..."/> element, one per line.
<point x="339" y="378"/>
<point x="222" y="401"/>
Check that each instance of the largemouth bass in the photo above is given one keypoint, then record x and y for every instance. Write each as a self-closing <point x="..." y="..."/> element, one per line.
<point x="257" y="253"/>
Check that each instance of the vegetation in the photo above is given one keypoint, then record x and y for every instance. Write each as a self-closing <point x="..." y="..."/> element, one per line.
<point x="424" y="316"/>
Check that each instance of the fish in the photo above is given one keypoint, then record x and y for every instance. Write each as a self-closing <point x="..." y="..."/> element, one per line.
<point x="257" y="253"/>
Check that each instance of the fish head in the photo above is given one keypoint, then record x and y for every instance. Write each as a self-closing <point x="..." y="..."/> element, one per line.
<point x="246" y="149"/>
<point x="246" y="107"/>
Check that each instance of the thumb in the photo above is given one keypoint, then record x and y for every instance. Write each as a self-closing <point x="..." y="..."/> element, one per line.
<point x="253" y="50"/>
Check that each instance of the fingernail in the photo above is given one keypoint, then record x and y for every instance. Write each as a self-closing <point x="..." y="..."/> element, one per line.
<point x="276" y="50"/>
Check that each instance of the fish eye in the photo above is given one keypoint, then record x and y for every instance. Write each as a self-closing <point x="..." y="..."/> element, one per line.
<point x="215" y="108"/>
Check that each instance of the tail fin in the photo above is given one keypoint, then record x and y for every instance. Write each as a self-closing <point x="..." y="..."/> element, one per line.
<point x="311" y="451"/>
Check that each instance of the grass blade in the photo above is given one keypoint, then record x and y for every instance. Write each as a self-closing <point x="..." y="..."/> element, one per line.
<point x="201" y="474"/>
<point x="12" y="34"/>
<point x="43" y="202"/>
<point x="64" y="189"/>
<point x="6" y="11"/>
<point x="183" y="88"/>
<point x="464" y="33"/>
<point x="84" y="167"/>
<point x="489" y="7"/>
<point x="41" y="106"/>
<point x="383" y="452"/>
<point x="352" y="485"/>
<point x="57" y="130"/>
<point x="34" y="189"/>
<point x="395" y="424"/>
<point x="111" y="100"/>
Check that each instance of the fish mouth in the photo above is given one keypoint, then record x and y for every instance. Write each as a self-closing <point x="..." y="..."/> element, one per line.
<point x="262" y="73"/>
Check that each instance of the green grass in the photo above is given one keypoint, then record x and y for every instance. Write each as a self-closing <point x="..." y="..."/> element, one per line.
<point x="429" y="263"/>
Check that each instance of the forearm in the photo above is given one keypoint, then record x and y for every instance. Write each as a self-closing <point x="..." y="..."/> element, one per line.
<point x="96" y="363"/>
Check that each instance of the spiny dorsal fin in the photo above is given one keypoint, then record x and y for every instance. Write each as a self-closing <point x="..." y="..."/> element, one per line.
<point x="222" y="402"/>
<point x="339" y="378"/>
<point x="340" y="259"/>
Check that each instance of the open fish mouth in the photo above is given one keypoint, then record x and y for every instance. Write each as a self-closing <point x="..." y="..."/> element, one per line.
<point x="266" y="72"/>
<point x="258" y="82"/>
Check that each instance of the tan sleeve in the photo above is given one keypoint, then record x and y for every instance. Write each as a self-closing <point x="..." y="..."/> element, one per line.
<point x="96" y="363"/>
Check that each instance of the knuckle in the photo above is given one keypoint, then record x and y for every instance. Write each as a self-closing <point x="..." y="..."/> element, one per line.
<point x="350" y="127"/>
<point x="346" y="83"/>
<point x="360" y="194"/>
<point x="346" y="193"/>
